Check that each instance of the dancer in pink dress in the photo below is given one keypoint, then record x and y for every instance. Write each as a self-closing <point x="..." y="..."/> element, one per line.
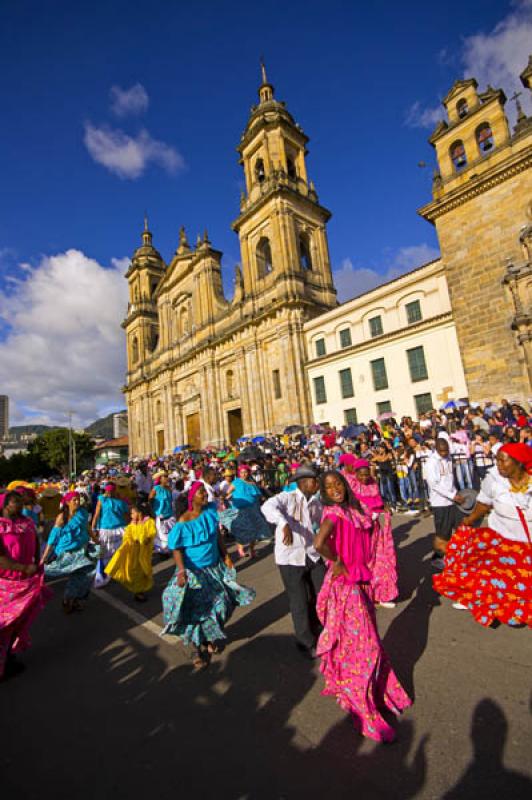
<point x="383" y="561"/>
<point x="22" y="590"/>
<point x="356" y="668"/>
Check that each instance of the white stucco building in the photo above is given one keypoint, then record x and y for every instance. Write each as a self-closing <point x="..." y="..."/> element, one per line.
<point x="391" y="349"/>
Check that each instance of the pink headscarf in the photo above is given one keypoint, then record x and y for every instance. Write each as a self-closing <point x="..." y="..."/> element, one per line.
<point x="295" y="466"/>
<point x="243" y="468"/>
<point x="109" y="487"/>
<point x="361" y="463"/>
<point x="68" y="497"/>
<point x="347" y="458"/>
<point x="192" y="491"/>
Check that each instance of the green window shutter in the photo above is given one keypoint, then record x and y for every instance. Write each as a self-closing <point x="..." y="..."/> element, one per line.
<point x="416" y="364"/>
<point x="319" y="390"/>
<point x="346" y="383"/>
<point x="378" y="372"/>
<point x="413" y="312"/>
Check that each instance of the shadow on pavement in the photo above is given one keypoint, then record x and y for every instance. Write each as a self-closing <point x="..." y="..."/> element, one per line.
<point x="487" y="776"/>
<point x="407" y="636"/>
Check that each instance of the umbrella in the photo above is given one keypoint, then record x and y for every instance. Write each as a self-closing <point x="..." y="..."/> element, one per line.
<point x="221" y="454"/>
<point x="463" y="404"/>
<point x="258" y="439"/>
<point x="352" y="431"/>
<point x="250" y="453"/>
<point x="449" y="405"/>
<point x="294" y="429"/>
<point x="317" y="429"/>
<point x="243" y="439"/>
<point x="180" y="448"/>
<point x="386" y="415"/>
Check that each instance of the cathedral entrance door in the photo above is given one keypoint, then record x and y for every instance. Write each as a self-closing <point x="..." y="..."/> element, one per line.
<point x="193" y="431"/>
<point x="160" y="443"/>
<point x="236" y="428"/>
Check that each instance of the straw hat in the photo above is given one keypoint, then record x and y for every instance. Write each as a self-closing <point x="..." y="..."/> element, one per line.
<point x="122" y="481"/>
<point x="50" y="491"/>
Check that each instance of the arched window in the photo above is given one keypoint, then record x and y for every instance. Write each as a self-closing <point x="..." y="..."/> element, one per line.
<point x="304" y="252"/>
<point x="259" y="170"/>
<point x="291" y="168"/>
<point x="230" y="383"/>
<point x="136" y="294"/>
<point x="158" y="411"/>
<point x="264" y="257"/>
<point x="135" y="350"/>
<point x="462" y="108"/>
<point x="484" y="137"/>
<point x="154" y="338"/>
<point x="458" y="155"/>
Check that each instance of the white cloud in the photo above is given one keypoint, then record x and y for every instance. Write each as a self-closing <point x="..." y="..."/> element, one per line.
<point x="498" y="57"/>
<point x="419" y="117"/>
<point x="128" y="156"/>
<point x="129" y="101"/>
<point x="64" y="348"/>
<point x="494" y="58"/>
<point x="351" y="281"/>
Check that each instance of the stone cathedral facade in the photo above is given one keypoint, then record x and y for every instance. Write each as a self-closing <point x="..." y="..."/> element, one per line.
<point x="204" y="370"/>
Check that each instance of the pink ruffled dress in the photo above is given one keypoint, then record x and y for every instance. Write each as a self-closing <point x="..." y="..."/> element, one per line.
<point x="353" y="662"/>
<point x="383" y="560"/>
<point x="21" y="597"/>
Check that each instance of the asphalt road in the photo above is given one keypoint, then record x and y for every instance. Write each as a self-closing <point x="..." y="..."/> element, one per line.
<point x="107" y="709"/>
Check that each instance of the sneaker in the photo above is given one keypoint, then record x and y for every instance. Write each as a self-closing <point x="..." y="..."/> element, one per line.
<point x="460" y="607"/>
<point x="437" y="564"/>
<point x="387" y="604"/>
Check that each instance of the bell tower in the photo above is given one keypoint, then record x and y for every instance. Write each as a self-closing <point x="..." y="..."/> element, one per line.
<point x="282" y="226"/>
<point x="481" y="204"/>
<point x="141" y="324"/>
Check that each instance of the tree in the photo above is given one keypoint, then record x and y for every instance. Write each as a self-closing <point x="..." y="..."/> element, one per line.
<point x="52" y="448"/>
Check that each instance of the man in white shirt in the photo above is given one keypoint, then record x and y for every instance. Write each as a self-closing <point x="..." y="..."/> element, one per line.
<point x="443" y="498"/>
<point x="143" y="480"/>
<point x="297" y="516"/>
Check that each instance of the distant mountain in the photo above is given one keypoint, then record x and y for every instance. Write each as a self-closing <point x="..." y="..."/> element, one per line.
<point x="20" y="430"/>
<point x="102" y="427"/>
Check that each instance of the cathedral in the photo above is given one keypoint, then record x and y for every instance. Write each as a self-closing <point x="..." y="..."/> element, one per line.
<point x="204" y="370"/>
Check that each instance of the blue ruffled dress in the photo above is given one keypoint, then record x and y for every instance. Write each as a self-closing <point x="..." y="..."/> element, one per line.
<point x="73" y="557"/>
<point x="244" y="519"/>
<point x="197" y="612"/>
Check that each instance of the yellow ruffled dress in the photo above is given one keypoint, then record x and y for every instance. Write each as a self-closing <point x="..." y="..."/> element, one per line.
<point x="131" y="564"/>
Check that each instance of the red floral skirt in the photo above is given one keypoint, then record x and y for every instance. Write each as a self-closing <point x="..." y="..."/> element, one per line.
<point x="490" y="575"/>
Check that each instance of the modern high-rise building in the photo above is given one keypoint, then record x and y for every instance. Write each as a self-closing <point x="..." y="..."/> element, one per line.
<point x="4" y="416"/>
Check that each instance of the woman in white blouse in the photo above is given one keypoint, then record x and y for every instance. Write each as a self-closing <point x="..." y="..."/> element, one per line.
<point x="488" y="570"/>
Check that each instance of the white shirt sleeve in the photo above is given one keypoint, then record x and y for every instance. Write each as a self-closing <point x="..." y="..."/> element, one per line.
<point x="437" y="481"/>
<point x="487" y="490"/>
<point x="274" y="509"/>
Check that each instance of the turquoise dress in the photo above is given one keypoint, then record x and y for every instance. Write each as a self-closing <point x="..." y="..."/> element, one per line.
<point x="244" y="518"/>
<point x="162" y="502"/>
<point x="197" y="612"/>
<point x="73" y="556"/>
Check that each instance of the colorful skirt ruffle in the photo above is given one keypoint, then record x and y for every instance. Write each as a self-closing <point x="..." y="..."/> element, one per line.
<point x="490" y="575"/>
<point x="20" y="602"/>
<point x="163" y="526"/>
<point x="246" y="524"/>
<point x="383" y="562"/>
<point x="197" y="612"/>
<point x="79" y="566"/>
<point x="110" y="541"/>
<point x="356" y="669"/>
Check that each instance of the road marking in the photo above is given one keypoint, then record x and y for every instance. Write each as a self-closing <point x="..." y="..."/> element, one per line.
<point x="134" y="616"/>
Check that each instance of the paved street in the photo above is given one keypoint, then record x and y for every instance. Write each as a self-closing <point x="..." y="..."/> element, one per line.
<point x="108" y="710"/>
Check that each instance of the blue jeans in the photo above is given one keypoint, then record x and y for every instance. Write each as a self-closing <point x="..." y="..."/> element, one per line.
<point x="462" y="472"/>
<point x="406" y="489"/>
<point x="387" y="486"/>
<point x="412" y="477"/>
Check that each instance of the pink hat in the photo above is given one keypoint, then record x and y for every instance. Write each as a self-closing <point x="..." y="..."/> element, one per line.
<point x="68" y="497"/>
<point x="361" y="463"/>
<point x="192" y="491"/>
<point x="243" y="468"/>
<point x="347" y="458"/>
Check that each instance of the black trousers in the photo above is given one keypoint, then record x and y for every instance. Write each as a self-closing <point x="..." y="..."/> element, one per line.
<point x="302" y="586"/>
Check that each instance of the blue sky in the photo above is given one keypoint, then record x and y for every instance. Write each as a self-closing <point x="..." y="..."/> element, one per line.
<point x="81" y="161"/>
